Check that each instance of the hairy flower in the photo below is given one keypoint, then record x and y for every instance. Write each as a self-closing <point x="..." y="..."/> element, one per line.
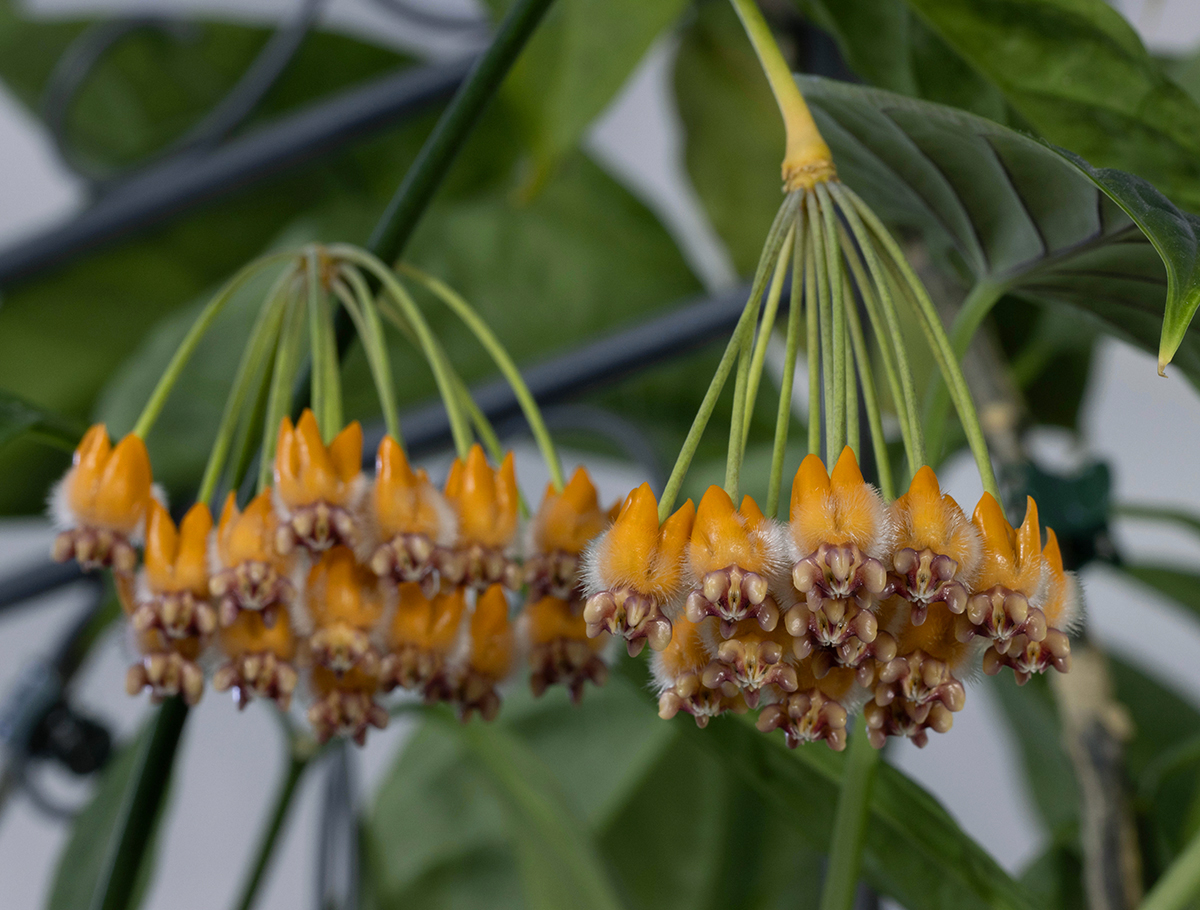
<point x="346" y="602"/>
<point x="564" y="525"/>
<point x="489" y="657"/>
<point x="732" y="555"/>
<point x="485" y="502"/>
<point x="260" y="660"/>
<point x="814" y="711"/>
<point x="411" y="516"/>
<point x="345" y="705"/>
<point x="634" y="570"/>
<point x="422" y="640"/>
<point x="248" y="572"/>
<point x="167" y="667"/>
<point x="102" y="501"/>
<point x="318" y="488"/>
<point x="678" y="671"/>
<point x="555" y="635"/>
<point x="172" y="594"/>
<point x="841" y="531"/>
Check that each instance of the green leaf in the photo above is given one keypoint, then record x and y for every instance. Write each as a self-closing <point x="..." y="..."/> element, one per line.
<point x="1034" y="725"/>
<point x="915" y="853"/>
<point x="1011" y="212"/>
<point x="18" y="418"/>
<point x="1055" y="879"/>
<point x="1163" y="722"/>
<point x="575" y="65"/>
<point x="1165" y="514"/>
<point x="1079" y="75"/>
<point x="999" y="207"/>
<point x="82" y="859"/>
<point x="889" y="46"/>
<point x="560" y="866"/>
<point x="1177" y="584"/>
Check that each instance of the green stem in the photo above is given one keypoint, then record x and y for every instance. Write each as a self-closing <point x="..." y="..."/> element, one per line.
<point x="783" y="220"/>
<point x="834" y="410"/>
<point x="837" y="431"/>
<point x="392" y="234"/>
<point x="270" y="835"/>
<point x="862" y="357"/>
<point x="279" y="399"/>
<point x="195" y="334"/>
<point x="807" y="158"/>
<point x="853" y="436"/>
<point x="850" y="824"/>
<point x="326" y="379"/>
<point x="890" y="350"/>
<point x="356" y="297"/>
<point x="1179" y="887"/>
<point x="765" y="329"/>
<point x="488" y="340"/>
<point x="783" y="418"/>
<point x="974" y="310"/>
<point x="459" y="424"/>
<point x="739" y="417"/>
<point x="914" y="440"/>
<point x="940" y="345"/>
<point x="135" y="823"/>
<point x="812" y="312"/>
<point x="263" y="338"/>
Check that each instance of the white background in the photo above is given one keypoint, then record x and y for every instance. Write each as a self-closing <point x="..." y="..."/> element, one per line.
<point x="1146" y="427"/>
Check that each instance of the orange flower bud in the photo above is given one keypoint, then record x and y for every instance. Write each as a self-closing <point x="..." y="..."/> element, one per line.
<point x="731" y="555"/>
<point x="634" y="570"/>
<point x="559" y="648"/>
<point x="678" y="670"/>
<point x="346" y="603"/>
<point x="486" y="505"/>
<point x="102" y="501"/>
<point x="318" y="488"/>
<point x="252" y="575"/>
<point x="260" y="660"/>
<point x="562" y="529"/>
<point x="490" y="657"/>
<point x="937" y="550"/>
<point x="411" y="515"/>
<point x="422" y="638"/>
<point x="174" y="598"/>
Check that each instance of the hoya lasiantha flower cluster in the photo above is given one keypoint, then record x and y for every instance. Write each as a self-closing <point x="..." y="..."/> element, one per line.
<point x="330" y="586"/>
<point x="854" y="602"/>
<point x="338" y="585"/>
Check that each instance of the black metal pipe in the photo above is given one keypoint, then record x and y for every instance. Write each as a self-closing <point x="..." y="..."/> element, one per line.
<point x="166" y="189"/>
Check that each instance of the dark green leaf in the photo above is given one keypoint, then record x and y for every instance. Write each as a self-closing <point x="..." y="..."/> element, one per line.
<point x="1001" y="208"/>
<point x="1014" y="213"/>
<point x="1162" y="722"/>
<point x="889" y="46"/>
<point x="19" y="418"/>
<point x="82" y="859"/>
<point x="914" y="853"/>
<point x="560" y="866"/>
<point x="1079" y="74"/>
<point x="1055" y="879"/>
